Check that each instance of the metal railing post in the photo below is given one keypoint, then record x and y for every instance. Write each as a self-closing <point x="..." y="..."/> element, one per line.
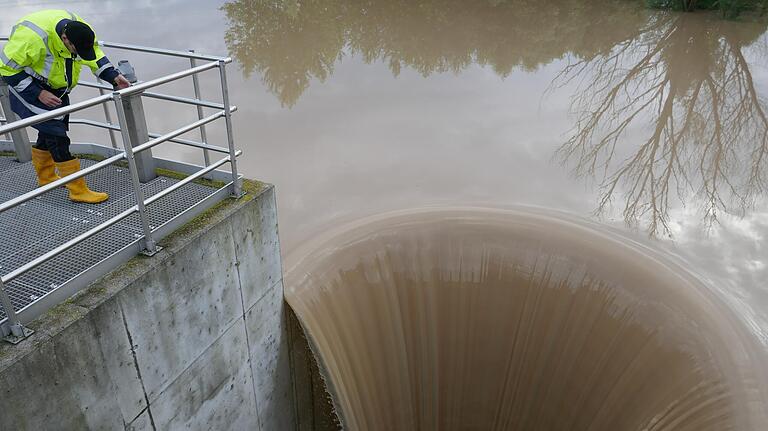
<point x="135" y="123"/>
<point x="200" y="116"/>
<point x="237" y="186"/>
<point x="132" y="125"/>
<point x="17" y="331"/>
<point x="3" y="121"/>
<point x="108" y="117"/>
<point x="19" y="137"/>
<point x="150" y="246"/>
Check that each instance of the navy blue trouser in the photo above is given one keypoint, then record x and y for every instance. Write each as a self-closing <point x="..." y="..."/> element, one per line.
<point x="52" y="134"/>
<point x="58" y="146"/>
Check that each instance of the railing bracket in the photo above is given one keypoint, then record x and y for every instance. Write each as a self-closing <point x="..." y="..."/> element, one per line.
<point x="150" y="253"/>
<point x="18" y="333"/>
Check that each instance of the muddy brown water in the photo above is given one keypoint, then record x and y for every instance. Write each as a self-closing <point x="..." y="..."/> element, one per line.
<point x="593" y="250"/>
<point x="519" y="319"/>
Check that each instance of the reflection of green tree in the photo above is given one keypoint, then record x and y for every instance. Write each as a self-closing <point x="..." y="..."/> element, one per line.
<point x="290" y="42"/>
<point x="708" y="131"/>
<point x="728" y="8"/>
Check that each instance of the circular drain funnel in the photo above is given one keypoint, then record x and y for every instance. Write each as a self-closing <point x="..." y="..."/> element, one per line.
<point x="511" y="320"/>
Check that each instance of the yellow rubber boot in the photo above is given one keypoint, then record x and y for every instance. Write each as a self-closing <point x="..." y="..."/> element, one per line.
<point x="78" y="190"/>
<point x="44" y="167"/>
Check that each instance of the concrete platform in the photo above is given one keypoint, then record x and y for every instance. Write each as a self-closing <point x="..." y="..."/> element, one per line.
<point x="38" y="226"/>
<point x="192" y="338"/>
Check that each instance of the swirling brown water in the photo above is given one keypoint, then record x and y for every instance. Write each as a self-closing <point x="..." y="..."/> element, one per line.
<point x="520" y="320"/>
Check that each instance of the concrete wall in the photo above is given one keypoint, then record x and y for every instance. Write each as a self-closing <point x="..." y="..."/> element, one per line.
<point x="195" y="337"/>
<point x="314" y="407"/>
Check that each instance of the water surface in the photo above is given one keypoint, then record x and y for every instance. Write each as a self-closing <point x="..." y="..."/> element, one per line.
<point x="650" y="125"/>
<point x="457" y="319"/>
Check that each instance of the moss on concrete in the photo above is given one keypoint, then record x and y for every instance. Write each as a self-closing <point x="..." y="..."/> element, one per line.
<point x="179" y="176"/>
<point x="5" y="351"/>
<point x="65" y="310"/>
<point x="251" y="188"/>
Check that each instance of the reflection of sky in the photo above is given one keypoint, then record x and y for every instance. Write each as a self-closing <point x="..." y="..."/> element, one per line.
<point x="363" y="141"/>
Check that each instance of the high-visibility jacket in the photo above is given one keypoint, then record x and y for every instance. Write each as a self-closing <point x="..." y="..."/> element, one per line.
<point x="35" y="56"/>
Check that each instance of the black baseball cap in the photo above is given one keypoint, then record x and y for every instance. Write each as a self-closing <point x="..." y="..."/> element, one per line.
<point x="83" y="38"/>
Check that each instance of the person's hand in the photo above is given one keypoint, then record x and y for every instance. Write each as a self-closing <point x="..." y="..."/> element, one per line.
<point x="48" y="99"/>
<point x="121" y="82"/>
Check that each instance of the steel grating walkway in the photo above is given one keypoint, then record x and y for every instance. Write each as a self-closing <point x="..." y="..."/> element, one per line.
<point x="36" y="227"/>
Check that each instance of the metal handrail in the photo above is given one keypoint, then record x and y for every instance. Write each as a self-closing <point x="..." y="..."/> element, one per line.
<point x="66" y="246"/>
<point x="16" y="125"/>
<point x="111" y="222"/>
<point x="10" y="127"/>
<point x="170" y="98"/>
<point x="147" y="49"/>
<point x="94" y="123"/>
<point x="178" y="132"/>
<point x="31" y="121"/>
<point x="3" y="121"/>
<point x="196" y="87"/>
<point x="167" y="52"/>
<point x="224" y="110"/>
<point x="108" y="117"/>
<point x="197" y="175"/>
<point x="138" y="88"/>
<point x="187" y="142"/>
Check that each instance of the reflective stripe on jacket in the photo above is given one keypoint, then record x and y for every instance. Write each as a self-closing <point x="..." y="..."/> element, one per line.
<point x="35" y="50"/>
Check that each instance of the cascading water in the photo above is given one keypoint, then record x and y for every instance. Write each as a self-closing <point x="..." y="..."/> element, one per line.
<point x="470" y="319"/>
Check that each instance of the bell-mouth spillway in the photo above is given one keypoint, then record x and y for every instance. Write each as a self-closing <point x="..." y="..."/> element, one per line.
<point x="519" y="319"/>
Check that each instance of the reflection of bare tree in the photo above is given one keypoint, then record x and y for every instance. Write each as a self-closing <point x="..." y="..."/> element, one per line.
<point x="708" y="133"/>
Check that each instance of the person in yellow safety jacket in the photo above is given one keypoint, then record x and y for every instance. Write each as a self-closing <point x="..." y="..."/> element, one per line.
<point x="41" y="64"/>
